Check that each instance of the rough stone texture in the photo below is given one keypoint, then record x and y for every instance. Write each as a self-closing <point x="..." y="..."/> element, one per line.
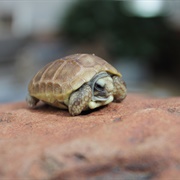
<point x="138" y="139"/>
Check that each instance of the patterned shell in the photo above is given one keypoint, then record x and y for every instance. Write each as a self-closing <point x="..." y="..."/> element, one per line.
<point x="58" y="79"/>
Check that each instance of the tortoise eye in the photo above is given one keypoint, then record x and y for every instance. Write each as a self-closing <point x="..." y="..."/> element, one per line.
<point x="98" y="87"/>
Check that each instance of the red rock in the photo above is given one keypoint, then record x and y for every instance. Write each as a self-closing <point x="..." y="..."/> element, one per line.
<point x="135" y="139"/>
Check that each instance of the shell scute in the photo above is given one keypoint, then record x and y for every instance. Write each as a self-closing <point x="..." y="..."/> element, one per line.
<point x="49" y="87"/>
<point x="36" y="88"/>
<point x="50" y="72"/>
<point x="42" y="87"/>
<point x="86" y="60"/>
<point x="67" y="72"/>
<point x="76" y="83"/>
<point x="57" y="89"/>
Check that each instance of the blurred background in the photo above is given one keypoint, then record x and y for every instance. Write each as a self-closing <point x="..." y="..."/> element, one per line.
<point x="140" y="38"/>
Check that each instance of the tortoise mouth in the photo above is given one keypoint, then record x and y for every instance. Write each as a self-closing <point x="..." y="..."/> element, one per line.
<point x="101" y="96"/>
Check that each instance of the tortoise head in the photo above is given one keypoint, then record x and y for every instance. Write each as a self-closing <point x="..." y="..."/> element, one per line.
<point x="102" y="86"/>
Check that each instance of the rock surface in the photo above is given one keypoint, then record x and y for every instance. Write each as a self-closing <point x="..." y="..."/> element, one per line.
<point x="137" y="139"/>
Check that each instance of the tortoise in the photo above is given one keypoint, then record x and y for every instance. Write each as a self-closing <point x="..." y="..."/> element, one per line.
<point x="77" y="82"/>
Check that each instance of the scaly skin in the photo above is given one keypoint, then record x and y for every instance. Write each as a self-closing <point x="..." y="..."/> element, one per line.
<point x="79" y="100"/>
<point x="120" y="90"/>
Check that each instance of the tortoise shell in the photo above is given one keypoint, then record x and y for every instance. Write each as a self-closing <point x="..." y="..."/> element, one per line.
<point x="58" y="79"/>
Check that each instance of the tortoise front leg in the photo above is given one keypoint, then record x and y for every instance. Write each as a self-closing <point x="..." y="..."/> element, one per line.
<point x="120" y="89"/>
<point x="79" y="100"/>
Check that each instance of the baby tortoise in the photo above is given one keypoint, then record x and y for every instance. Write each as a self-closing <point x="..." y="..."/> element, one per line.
<point x="77" y="82"/>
